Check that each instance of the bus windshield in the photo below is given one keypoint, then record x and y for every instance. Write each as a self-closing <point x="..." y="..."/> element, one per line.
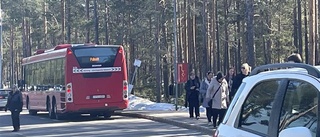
<point x="96" y="56"/>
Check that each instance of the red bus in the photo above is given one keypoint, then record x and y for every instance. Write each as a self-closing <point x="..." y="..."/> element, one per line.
<point x="76" y="79"/>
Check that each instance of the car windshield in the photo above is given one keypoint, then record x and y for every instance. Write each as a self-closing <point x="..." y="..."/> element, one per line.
<point x="4" y="92"/>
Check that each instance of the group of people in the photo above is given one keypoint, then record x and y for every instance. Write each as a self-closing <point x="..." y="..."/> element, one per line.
<point x="216" y="92"/>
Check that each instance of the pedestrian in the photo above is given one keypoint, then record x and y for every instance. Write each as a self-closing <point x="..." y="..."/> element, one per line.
<point x="230" y="76"/>
<point x="192" y="95"/>
<point x="218" y="91"/>
<point x="203" y="90"/>
<point x="14" y="104"/>
<point x="245" y="70"/>
<point x="294" y="58"/>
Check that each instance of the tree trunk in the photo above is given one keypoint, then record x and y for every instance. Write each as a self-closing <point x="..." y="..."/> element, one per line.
<point x="269" y="42"/>
<point x="45" y="28"/>
<point x="76" y="40"/>
<point x="68" y="21"/>
<point x="194" y="47"/>
<point x="312" y="36"/>
<point x="306" y="34"/>
<point x="250" y="34"/>
<point x="157" y="50"/>
<point x="11" y="56"/>
<point x="63" y="22"/>
<point x="213" y="36"/>
<point x="300" y="28"/>
<point x="295" y="26"/>
<point x="226" y="35"/>
<point x="205" y="65"/>
<point x="218" y="39"/>
<point x="96" y="22"/>
<point x="106" y="20"/>
<point x="316" y="29"/>
<point x="185" y="32"/>
<point x="24" y="38"/>
<point x="166" y="71"/>
<point x="278" y="41"/>
<point x="88" y="19"/>
<point x="189" y="36"/>
<point x="179" y="37"/>
<point x="28" y="26"/>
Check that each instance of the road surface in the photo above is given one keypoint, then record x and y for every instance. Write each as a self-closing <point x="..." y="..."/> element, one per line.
<point x="116" y="126"/>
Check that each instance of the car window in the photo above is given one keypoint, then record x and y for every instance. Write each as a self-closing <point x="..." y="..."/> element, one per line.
<point x="4" y="92"/>
<point x="233" y="102"/>
<point x="256" y="110"/>
<point x="300" y="106"/>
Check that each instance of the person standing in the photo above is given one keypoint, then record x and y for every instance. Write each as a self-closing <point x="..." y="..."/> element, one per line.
<point x="230" y="76"/>
<point x="14" y="104"/>
<point x="192" y="95"/>
<point x="218" y="91"/>
<point x="245" y="70"/>
<point x="203" y="90"/>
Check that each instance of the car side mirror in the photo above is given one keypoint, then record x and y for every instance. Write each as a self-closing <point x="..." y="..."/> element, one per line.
<point x="295" y="132"/>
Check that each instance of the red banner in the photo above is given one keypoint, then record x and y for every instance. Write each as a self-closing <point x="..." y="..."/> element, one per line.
<point x="182" y="72"/>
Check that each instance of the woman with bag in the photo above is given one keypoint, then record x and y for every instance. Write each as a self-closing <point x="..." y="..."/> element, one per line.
<point x="218" y="94"/>
<point x="203" y="90"/>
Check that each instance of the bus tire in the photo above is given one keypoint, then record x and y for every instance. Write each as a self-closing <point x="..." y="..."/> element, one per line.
<point x="50" y="109"/>
<point x="107" y="115"/>
<point x="27" y="103"/>
<point x="31" y="112"/>
<point x="94" y="115"/>
<point x="57" y="115"/>
<point x="60" y="117"/>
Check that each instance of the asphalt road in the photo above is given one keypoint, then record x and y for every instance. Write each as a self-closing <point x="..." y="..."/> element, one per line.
<point x="116" y="126"/>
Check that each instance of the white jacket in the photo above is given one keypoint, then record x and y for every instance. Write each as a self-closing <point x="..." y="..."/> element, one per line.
<point x="221" y="99"/>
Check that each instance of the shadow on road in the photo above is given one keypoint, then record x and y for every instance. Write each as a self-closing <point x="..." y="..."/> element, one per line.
<point x="42" y="117"/>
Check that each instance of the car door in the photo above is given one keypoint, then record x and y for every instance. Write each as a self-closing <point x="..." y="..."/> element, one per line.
<point x="299" y="106"/>
<point x="250" y="115"/>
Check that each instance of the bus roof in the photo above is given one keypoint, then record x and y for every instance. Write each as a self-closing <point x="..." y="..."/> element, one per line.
<point x="58" y="51"/>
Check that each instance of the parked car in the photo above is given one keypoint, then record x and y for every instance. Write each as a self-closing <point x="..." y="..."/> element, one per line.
<point x="3" y="97"/>
<point x="275" y="100"/>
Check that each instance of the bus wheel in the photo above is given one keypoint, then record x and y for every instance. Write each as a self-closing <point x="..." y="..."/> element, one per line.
<point x="50" y="108"/>
<point x="31" y="112"/>
<point x="57" y="115"/>
<point x="107" y="115"/>
<point x="94" y="115"/>
<point x="27" y="103"/>
<point x="60" y="117"/>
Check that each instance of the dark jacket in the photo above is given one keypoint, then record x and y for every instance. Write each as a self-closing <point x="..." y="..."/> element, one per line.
<point x="237" y="80"/>
<point x="14" y="102"/>
<point x="192" y="94"/>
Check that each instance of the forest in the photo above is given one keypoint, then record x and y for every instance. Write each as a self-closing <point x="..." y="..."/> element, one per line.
<point x="210" y="35"/>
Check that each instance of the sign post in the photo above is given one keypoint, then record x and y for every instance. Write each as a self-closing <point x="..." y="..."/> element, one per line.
<point x="137" y="64"/>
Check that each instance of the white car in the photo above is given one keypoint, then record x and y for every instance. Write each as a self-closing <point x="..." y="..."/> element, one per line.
<point x="275" y="103"/>
<point x="4" y="93"/>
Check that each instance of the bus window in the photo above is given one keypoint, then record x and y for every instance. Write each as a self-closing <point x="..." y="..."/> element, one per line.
<point x="96" y="57"/>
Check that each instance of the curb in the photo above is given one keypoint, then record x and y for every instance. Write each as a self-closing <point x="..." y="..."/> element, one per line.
<point x="168" y="121"/>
